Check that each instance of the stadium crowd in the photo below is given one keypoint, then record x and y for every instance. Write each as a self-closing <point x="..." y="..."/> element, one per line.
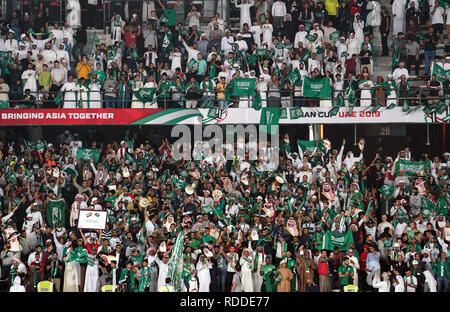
<point x="45" y="64"/>
<point x="326" y="219"/>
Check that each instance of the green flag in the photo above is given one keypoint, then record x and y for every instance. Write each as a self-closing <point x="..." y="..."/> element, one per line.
<point x="176" y="263"/>
<point x="192" y="63"/>
<point x="440" y="109"/>
<point x="396" y="57"/>
<point x="335" y="35"/>
<point x="391" y="106"/>
<point x="59" y="99"/>
<point x="334" y="110"/>
<point x="405" y="106"/>
<point x="11" y="176"/>
<point x="311" y="38"/>
<point x="339" y="103"/>
<point x="428" y="205"/>
<point x="308" y="26"/>
<point x="179" y="183"/>
<point x="56" y="212"/>
<point x="376" y="107"/>
<point x="261" y="52"/>
<point x="87" y="154"/>
<point x="317" y="88"/>
<point x="387" y="190"/>
<point x="295" y="112"/>
<point x="269" y="116"/>
<point x="129" y="158"/>
<point x="257" y="101"/>
<point x="344" y="54"/>
<point x="331" y="240"/>
<point x="294" y="77"/>
<point x="412" y="167"/>
<point x="243" y="87"/>
<point x="36" y="146"/>
<point x="440" y="72"/>
<point x="70" y="171"/>
<point x="305" y="145"/>
<point x="305" y="57"/>
<point x="145" y="94"/>
<point x="95" y="37"/>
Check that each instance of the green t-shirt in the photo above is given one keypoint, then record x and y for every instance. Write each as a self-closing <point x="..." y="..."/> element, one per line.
<point x="170" y="14"/>
<point x="342" y="270"/>
<point x="45" y="79"/>
<point x="202" y="67"/>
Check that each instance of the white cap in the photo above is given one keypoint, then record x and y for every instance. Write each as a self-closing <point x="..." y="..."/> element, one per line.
<point x="415" y="262"/>
<point x="396" y="245"/>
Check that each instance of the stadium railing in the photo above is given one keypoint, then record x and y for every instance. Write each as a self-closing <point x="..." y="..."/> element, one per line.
<point x="285" y="98"/>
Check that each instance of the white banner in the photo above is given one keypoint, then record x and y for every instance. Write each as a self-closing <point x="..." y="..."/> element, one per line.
<point x="92" y="219"/>
<point x="321" y="115"/>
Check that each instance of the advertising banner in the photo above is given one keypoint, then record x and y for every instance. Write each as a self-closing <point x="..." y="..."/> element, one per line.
<point x="215" y="115"/>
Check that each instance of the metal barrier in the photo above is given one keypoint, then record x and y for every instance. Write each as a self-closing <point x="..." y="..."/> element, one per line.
<point x="286" y="98"/>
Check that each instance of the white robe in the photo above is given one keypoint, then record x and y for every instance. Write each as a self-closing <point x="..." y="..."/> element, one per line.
<point x="245" y="13"/>
<point x="257" y="278"/>
<point x="246" y="274"/>
<point x="163" y="272"/>
<point x="30" y="76"/>
<point x="71" y="275"/>
<point x="267" y="30"/>
<point x="256" y="31"/>
<point x="392" y="98"/>
<point x="366" y="95"/>
<point x="90" y="282"/>
<point x="95" y="97"/>
<point x="74" y="17"/>
<point x="353" y="47"/>
<point x="135" y="103"/>
<point x="17" y="287"/>
<point x="383" y="286"/>
<point x="398" y="8"/>
<point x="203" y="275"/>
<point x="70" y="97"/>
<point x="400" y="286"/>
<point x="359" y="30"/>
<point x="83" y="96"/>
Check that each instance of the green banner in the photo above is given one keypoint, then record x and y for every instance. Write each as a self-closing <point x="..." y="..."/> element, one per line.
<point x="145" y="94"/>
<point x="311" y="145"/>
<point x="56" y="212"/>
<point x="294" y="77"/>
<point x="243" y="87"/>
<point x="87" y="154"/>
<point x="36" y="146"/>
<point x="317" y="88"/>
<point x="331" y="240"/>
<point x="411" y="167"/>
<point x="295" y="112"/>
<point x="440" y="72"/>
<point x="269" y="116"/>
